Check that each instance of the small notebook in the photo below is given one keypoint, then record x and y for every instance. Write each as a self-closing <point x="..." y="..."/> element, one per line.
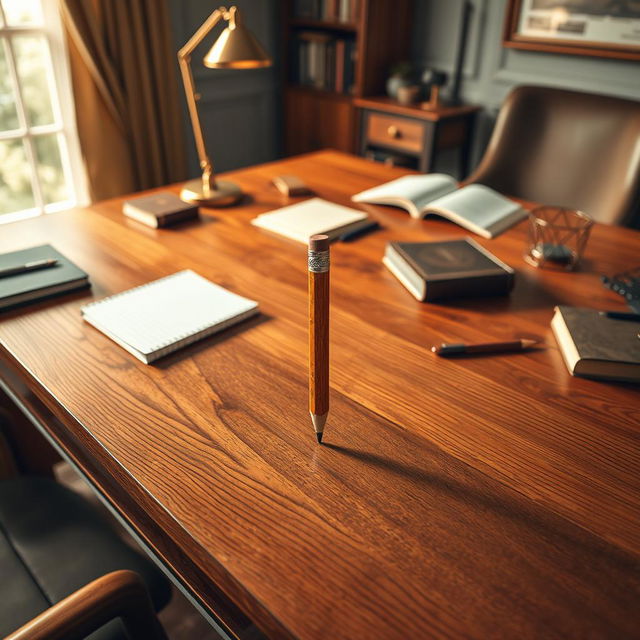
<point x="160" y="209"/>
<point x="159" y="318"/>
<point x="304" y="219"/>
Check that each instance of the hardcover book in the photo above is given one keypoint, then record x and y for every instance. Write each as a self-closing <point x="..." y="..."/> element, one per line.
<point x="475" y="207"/>
<point x="159" y="210"/>
<point x="26" y="287"/>
<point x="595" y="346"/>
<point x="450" y="269"/>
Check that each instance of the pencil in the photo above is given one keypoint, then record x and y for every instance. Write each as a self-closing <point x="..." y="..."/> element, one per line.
<point x="489" y="347"/>
<point x="319" y="332"/>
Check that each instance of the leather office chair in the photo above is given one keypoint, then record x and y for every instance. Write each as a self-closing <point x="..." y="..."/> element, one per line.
<point x="65" y="573"/>
<point x="567" y="148"/>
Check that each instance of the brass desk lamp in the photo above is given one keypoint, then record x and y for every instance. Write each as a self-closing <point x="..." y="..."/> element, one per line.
<point x="235" y="48"/>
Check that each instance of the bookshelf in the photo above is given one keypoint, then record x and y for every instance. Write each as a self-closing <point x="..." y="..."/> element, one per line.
<point x="334" y="52"/>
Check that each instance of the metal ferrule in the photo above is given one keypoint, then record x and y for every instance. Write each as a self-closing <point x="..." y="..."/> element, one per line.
<point x="318" y="261"/>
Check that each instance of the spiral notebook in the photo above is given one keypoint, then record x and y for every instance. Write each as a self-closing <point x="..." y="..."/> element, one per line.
<point x="162" y="316"/>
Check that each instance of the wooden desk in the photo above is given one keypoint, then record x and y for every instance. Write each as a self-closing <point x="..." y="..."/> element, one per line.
<point x="481" y="498"/>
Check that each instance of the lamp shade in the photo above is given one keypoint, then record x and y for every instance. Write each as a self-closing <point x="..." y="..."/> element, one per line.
<point x="236" y="48"/>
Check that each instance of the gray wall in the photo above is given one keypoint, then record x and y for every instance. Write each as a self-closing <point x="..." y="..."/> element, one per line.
<point x="491" y="71"/>
<point x="239" y="110"/>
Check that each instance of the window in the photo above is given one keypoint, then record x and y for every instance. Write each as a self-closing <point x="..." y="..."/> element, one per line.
<point x="40" y="166"/>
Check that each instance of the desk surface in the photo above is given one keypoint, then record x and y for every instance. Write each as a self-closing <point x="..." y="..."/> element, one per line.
<point x="488" y="497"/>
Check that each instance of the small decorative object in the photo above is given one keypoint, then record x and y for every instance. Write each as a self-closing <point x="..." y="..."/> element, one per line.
<point x="605" y="29"/>
<point x="557" y="237"/>
<point x="433" y="80"/>
<point x="235" y="48"/>
<point x="408" y="95"/>
<point x="401" y="76"/>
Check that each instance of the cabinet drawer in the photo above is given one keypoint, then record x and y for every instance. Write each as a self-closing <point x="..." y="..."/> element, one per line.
<point x="392" y="131"/>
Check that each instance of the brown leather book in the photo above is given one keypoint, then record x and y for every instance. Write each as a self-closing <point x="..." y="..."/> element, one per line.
<point x="450" y="269"/>
<point x="595" y="346"/>
<point x="160" y="209"/>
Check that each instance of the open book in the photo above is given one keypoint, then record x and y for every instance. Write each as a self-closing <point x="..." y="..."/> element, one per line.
<point x="474" y="207"/>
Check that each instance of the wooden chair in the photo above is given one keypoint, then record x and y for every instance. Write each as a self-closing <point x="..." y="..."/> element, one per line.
<point x="66" y="574"/>
<point x="567" y="148"/>
<point x="120" y="594"/>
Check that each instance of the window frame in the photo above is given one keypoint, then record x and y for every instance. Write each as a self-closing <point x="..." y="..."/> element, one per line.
<point x="64" y="125"/>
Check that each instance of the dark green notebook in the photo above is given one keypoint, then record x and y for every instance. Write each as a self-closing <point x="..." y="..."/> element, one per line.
<point x="43" y="283"/>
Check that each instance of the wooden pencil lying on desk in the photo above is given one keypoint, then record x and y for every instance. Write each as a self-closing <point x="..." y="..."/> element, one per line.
<point x="319" y="332"/>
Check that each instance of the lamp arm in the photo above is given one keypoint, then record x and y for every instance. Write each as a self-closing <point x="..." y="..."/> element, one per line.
<point x="184" y="60"/>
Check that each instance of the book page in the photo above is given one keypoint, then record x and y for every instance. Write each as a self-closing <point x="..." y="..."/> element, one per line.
<point x="480" y="207"/>
<point x="418" y="190"/>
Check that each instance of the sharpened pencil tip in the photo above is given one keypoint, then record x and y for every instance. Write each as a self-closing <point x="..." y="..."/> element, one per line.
<point x="318" y="424"/>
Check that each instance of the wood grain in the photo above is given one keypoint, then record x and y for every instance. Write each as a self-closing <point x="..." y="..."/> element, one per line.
<point x="489" y="497"/>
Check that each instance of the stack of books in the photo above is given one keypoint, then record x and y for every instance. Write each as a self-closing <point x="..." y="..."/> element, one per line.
<point x="323" y="61"/>
<point x="329" y="10"/>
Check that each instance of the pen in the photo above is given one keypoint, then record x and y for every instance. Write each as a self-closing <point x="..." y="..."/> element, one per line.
<point x="356" y="233"/>
<point x="488" y="347"/>
<point x="318" y="262"/>
<point x="621" y="315"/>
<point x="28" y="266"/>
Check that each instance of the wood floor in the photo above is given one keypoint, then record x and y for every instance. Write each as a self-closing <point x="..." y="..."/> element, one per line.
<point x="180" y="619"/>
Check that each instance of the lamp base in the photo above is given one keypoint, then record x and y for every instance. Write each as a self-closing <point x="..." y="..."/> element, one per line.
<point x="224" y="195"/>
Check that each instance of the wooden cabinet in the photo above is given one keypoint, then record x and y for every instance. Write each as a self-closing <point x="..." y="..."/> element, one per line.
<point x="319" y="110"/>
<point x="413" y="136"/>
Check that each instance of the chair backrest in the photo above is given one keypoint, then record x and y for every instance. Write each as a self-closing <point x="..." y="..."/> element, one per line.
<point x="567" y="148"/>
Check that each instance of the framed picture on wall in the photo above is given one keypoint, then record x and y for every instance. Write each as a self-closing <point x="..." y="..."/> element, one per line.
<point x="604" y="28"/>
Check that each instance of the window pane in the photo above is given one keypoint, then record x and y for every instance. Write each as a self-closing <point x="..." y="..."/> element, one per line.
<point x="22" y="12"/>
<point x="32" y="58"/>
<point x="8" y="113"/>
<point x="16" y="192"/>
<point x="50" y="171"/>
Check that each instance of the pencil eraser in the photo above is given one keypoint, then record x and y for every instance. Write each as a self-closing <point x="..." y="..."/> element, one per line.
<point x="319" y="242"/>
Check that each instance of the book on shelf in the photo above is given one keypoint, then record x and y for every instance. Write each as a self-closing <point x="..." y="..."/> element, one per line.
<point x="160" y="317"/>
<point x="595" y="346"/>
<point x="345" y="11"/>
<point x="323" y="61"/>
<point x="304" y="219"/>
<point x="160" y="209"/>
<point x="448" y="269"/>
<point x="475" y="207"/>
<point x="30" y="286"/>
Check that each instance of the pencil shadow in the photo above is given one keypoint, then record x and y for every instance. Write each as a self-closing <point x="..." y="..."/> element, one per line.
<point x="191" y="350"/>
<point x="517" y="509"/>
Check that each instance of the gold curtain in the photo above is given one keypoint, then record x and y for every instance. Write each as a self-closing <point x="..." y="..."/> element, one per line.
<point x="126" y="94"/>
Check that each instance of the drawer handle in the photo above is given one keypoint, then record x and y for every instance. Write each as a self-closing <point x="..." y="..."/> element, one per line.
<point x="394" y="132"/>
